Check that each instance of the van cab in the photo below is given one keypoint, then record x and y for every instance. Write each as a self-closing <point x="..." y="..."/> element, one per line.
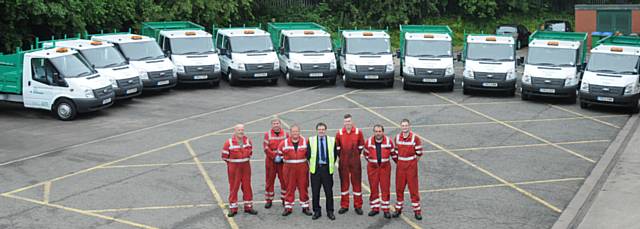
<point x="365" y="57"/>
<point x="490" y="63"/>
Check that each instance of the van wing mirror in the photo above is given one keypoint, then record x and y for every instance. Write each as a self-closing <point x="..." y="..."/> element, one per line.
<point x="398" y="54"/>
<point x="520" y="60"/>
<point x="281" y="50"/>
<point x="459" y="57"/>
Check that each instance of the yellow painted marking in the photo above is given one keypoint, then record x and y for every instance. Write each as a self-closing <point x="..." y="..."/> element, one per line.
<point x="585" y="116"/>
<point x="47" y="192"/>
<point x="501" y="180"/>
<point x="151" y="208"/>
<point x="403" y="217"/>
<point x="517" y="129"/>
<point x="82" y="212"/>
<point x="212" y="187"/>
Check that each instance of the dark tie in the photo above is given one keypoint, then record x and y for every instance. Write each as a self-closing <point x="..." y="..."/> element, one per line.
<point x="323" y="156"/>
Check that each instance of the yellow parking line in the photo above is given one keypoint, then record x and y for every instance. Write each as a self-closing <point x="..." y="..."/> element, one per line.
<point x="47" y="191"/>
<point x="524" y="192"/>
<point x="585" y="116"/>
<point x="151" y="208"/>
<point x="517" y="129"/>
<point x="212" y="187"/>
<point x="403" y="217"/>
<point x="82" y="212"/>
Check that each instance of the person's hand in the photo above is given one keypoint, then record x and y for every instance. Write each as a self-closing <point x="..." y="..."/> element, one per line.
<point x="278" y="159"/>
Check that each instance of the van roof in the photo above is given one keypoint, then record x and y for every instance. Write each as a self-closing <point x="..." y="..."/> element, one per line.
<point x="305" y="33"/>
<point x="121" y="38"/>
<point x="50" y="53"/>
<point x="82" y="44"/>
<point x="242" y="32"/>
<point x="551" y="43"/>
<point x="626" y="50"/>
<point x="362" y="33"/>
<point x="183" y="33"/>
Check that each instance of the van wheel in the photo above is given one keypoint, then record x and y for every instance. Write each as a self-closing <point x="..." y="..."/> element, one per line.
<point x="214" y="84"/>
<point x="346" y="81"/>
<point x="333" y="81"/>
<point x="635" y="108"/>
<point x="584" y="105"/>
<point x="390" y="83"/>
<point x="524" y="95"/>
<point x="65" y="110"/>
<point x="287" y="77"/>
<point x="232" y="80"/>
<point x="450" y="87"/>
<point x="465" y="91"/>
<point x="511" y="92"/>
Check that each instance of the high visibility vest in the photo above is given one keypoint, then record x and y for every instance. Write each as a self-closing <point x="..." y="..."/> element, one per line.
<point x="313" y="143"/>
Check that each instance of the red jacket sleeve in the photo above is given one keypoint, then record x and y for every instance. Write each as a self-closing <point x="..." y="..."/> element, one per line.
<point x="394" y="152"/>
<point x="365" y="151"/>
<point x="269" y="153"/>
<point x="281" y="149"/>
<point x="225" y="151"/>
<point x="418" y="146"/>
<point x="338" y="143"/>
<point x="360" y="141"/>
<point x="250" y="148"/>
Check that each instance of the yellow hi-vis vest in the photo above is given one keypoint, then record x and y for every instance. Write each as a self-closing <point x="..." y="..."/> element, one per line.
<point x="313" y="143"/>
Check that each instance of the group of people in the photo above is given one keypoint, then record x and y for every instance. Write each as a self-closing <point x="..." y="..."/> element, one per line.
<point x="295" y="160"/>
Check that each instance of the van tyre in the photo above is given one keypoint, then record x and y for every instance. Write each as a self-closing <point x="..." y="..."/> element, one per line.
<point x="465" y="91"/>
<point x="525" y="95"/>
<point x="332" y="82"/>
<point x="584" y="105"/>
<point x="287" y="77"/>
<point x="346" y="81"/>
<point x="390" y="83"/>
<point x="511" y="92"/>
<point x="65" y="110"/>
<point x="232" y="80"/>
<point x="450" y="87"/>
<point x="635" y="108"/>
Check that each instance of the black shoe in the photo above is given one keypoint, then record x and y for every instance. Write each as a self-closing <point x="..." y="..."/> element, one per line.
<point x="232" y="214"/>
<point x="251" y="212"/>
<point x="331" y="216"/>
<point x="396" y="214"/>
<point x="418" y="216"/>
<point x="306" y="212"/>
<point x="343" y="210"/>
<point x="387" y="215"/>
<point x="286" y="213"/>
<point x="359" y="211"/>
<point x="268" y="205"/>
<point x="316" y="215"/>
<point x="373" y="213"/>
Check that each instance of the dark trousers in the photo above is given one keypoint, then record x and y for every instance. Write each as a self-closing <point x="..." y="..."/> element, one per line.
<point x="324" y="179"/>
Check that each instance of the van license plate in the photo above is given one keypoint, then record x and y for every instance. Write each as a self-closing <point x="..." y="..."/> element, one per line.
<point x="264" y="74"/>
<point x="319" y="74"/>
<point x="604" y="99"/>
<point x="132" y="90"/>
<point x="429" y="80"/>
<point x="371" y="77"/>
<point x="548" y="90"/>
<point x="490" y="84"/>
<point x="164" y="82"/>
<point x="201" y="77"/>
<point x="106" y="101"/>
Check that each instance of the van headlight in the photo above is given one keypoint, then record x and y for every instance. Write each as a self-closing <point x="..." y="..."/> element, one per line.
<point x="216" y="67"/>
<point x="511" y="75"/>
<point x="449" y="71"/>
<point x="468" y="73"/>
<point x="89" y="93"/>
<point x="408" y="69"/>
<point x="571" y="81"/>
<point x="628" y="90"/>
<point x="144" y="75"/>
<point x="526" y="79"/>
<point x="276" y="65"/>
<point x="584" y="87"/>
<point x="180" y="68"/>
<point x="389" y="67"/>
<point x="238" y="65"/>
<point x="333" y="64"/>
<point x="114" y="83"/>
<point x="350" y="67"/>
<point x="294" y="65"/>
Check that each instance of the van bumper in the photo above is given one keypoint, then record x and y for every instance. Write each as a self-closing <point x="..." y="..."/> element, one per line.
<point x="360" y="77"/>
<point x="244" y="75"/>
<point x="479" y="85"/>
<point x="618" y="101"/>
<point x="427" y="81"/>
<point x="190" y="78"/>
<point x="305" y="75"/>
<point x="121" y="93"/>
<point x="559" y="91"/>
<point x="153" y="84"/>
<point x="93" y="104"/>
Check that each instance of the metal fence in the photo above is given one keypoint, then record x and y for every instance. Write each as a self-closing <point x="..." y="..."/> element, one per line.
<point x="280" y="4"/>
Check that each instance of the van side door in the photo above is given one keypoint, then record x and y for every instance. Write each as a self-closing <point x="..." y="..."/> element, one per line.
<point x="40" y="88"/>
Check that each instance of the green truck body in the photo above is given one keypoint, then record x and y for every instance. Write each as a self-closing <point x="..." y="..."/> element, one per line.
<point x="439" y="29"/>
<point x="153" y="29"/>
<point x="275" y="29"/>
<point x="620" y="40"/>
<point x="11" y="72"/>
<point x="563" y="36"/>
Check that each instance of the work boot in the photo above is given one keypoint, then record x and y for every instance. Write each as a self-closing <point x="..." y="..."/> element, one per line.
<point x="373" y="213"/>
<point x="306" y="211"/>
<point x="387" y="215"/>
<point x="418" y="216"/>
<point x="331" y="216"/>
<point x="286" y="212"/>
<point x="316" y="215"/>
<point x="343" y="210"/>
<point x="268" y="205"/>
<point x="250" y="211"/>
<point x="232" y="213"/>
<point x="397" y="214"/>
<point x="359" y="211"/>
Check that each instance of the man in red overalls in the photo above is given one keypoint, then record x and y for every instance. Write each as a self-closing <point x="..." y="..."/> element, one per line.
<point x="273" y="161"/>
<point x="349" y="143"/>
<point x="408" y="152"/>
<point x="236" y="152"/>
<point x="296" y="171"/>
<point x="377" y="151"/>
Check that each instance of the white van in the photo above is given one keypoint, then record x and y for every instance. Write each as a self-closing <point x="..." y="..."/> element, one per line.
<point x="366" y="57"/>
<point x="490" y="63"/>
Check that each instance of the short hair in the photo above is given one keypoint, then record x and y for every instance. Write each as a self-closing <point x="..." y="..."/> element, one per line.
<point x="321" y="124"/>
<point x="405" y="120"/>
<point x="346" y="116"/>
<point x="275" y="120"/>
<point x="294" y="126"/>
<point x="378" y="126"/>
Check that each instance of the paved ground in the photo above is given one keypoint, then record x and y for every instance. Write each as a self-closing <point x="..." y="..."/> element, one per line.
<point x="491" y="161"/>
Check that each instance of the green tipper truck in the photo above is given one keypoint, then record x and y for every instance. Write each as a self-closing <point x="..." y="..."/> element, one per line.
<point x="304" y="51"/>
<point x="426" y="56"/>
<point x="55" y="79"/>
<point x="189" y="47"/>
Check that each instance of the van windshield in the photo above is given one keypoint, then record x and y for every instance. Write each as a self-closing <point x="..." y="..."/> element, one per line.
<point x="309" y="44"/>
<point x="490" y="52"/>
<point x="559" y="57"/>
<point x="247" y="44"/>
<point x="192" y="46"/>
<point x="428" y="48"/>
<point x="613" y="63"/>
<point x="105" y="57"/>
<point x="375" y="46"/>
<point x="138" y="51"/>
<point x="506" y="30"/>
<point x="72" y="66"/>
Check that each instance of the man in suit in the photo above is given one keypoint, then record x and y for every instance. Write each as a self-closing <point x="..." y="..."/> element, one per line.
<point x="322" y="156"/>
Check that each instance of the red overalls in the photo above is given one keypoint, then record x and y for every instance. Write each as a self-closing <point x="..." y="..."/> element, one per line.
<point x="270" y="145"/>
<point x="296" y="171"/>
<point x="408" y="151"/>
<point x="350" y="145"/>
<point x="237" y="155"/>
<point x="379" y="173"/>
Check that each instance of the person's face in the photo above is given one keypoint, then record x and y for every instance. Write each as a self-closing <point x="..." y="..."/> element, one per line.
<point x="348" y="123"/>
<point x="295" y="132"/>
<point x="378" y="133"/>
<point x="322" y="131"/>
<point x="239" y="131"/>
<point x="405" y="127"/>
<point x="275" y="125"/>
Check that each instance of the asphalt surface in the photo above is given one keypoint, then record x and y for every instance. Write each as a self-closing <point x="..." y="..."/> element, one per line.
<point x="490" y="161"/>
